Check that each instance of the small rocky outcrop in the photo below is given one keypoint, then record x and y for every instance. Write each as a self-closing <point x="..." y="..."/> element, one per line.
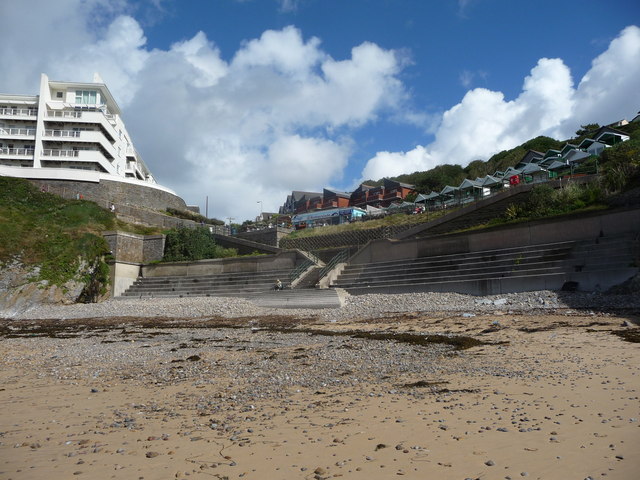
<point x="629" y="287"/>
<point x="19" y="291"/>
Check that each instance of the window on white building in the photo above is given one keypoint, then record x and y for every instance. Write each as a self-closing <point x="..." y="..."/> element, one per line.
<point x="87" y="97"/>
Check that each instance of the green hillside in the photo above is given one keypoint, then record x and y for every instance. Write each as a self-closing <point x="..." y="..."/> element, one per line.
<point x="438" y="177"/>
<point x="55" y="235"/>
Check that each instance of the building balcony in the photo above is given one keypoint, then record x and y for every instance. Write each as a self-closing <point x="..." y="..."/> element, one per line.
<point x="106" y="121"/>
<point x="62" y="133"/>
<point x="134" y="170"/>
<point x="392" y="196"/>
<point x="90" y="136"/>
<point x="14" y="112"/>
<point x="18" y="132"/>
<point x="16" y="152"/>
<point x="63" y="114"/>
<point x="79" y="156"/>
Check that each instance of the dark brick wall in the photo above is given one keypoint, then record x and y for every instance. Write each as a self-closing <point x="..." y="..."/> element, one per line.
<point x="131" y="248"/>
<point x="153" y="248"/>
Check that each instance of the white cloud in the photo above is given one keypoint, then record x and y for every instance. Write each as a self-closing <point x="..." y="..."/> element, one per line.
<point x="283" y="51"/>
<point x="289" y="5"/>
<point x="204" y="57"/>
<point x="611" y="86"/>
<point x="466" y="78"/>
<point x="391" y="164"/>
<point x="304" y="162"/>
<point x="484" y="122"/>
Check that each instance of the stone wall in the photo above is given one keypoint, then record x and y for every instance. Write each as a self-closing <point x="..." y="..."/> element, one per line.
<point x="268" y="236"/>
<point x="132" y="248"/>
<point x="262" y="263"/>
<point x="106" y="192"/>
<point x="531" y="233"/>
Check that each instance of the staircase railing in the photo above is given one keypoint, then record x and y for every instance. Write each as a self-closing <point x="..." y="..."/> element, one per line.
<point x="299" y="270"/>
<point x="341" y="257"/>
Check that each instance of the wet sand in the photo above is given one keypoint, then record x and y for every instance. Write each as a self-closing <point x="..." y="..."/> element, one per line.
<point x="539" y="396"/>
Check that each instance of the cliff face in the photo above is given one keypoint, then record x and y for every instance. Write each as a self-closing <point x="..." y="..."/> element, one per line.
<point x="19" y="292"/>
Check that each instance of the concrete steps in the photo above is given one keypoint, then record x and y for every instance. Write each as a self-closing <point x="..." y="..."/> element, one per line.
<point x="592" y="264"/>
<point x="254" y="286"/>
<point x="598" y="264"/>
<point x="298" y="298"/>
<point x="222" y="284"/>
<point x="515" y="258"/>
<point x="465" y="272"/>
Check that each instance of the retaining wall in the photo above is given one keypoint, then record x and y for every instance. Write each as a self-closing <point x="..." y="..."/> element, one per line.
<point x="132" y="248"/>
<point x="531" y="233"/>
<point x="268" y="236"/>
<point x="106" y="192"/>
<point x="280" y="261"/>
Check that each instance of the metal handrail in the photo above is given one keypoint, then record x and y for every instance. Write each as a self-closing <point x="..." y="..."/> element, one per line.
<point x="64" y="114"/>
<point x="62" y="133"/>
<point x="16" y="151"/>
<point x="48" y="152"/>
<point x="299" y="270"/>
<point x="29" y="112"/>
<point x="17" y="131"/>
<point x="341" y="257"/>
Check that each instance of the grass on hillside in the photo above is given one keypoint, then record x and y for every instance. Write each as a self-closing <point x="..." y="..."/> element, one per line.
<point x="544" y="202"/>
<point x="390" y="220"/>
<point x="42" y="229"/>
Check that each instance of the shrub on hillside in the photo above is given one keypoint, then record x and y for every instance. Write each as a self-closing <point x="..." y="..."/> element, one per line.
<point x="187" y="244"/>
<point x="545" y="201"/>
<point x="196" y="217"/>
<point x="621" y="165"/>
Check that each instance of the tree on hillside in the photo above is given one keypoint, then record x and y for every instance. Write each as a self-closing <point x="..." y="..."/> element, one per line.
<point x="435" y="179"/>
<point x="587" y="129"/>
<point x="185" y="244"/>
<point x="621" y="164"/>
<point x="477" y="168"/>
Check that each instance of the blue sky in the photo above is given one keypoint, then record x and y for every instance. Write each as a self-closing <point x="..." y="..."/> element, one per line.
<point x="246" y="100"/>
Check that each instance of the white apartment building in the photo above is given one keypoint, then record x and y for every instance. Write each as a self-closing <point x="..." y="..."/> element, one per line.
<point x="69" y="131"/>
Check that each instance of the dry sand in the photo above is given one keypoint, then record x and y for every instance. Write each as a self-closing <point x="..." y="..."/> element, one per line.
<point x="544" y="397"/>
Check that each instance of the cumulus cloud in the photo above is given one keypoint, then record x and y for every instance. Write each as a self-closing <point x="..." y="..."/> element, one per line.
<point x="485" y="123"/>
<point x="610" y="86"/>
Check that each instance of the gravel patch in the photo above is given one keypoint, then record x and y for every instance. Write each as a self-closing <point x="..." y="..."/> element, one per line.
<point x="354" y="307"/>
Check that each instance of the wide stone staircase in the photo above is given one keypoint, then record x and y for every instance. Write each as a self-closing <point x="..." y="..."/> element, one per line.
<point x="604" y="261"/>
<point x="534" y="267"/>
<point x="242" y="284"/>
<point x="588" y="265"/>
<point x="254" y="286"/>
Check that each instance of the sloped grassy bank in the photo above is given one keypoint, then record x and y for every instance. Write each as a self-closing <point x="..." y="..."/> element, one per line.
<point x="50" y="247"/>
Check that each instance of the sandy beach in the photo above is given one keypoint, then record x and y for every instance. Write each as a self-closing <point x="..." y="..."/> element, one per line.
<point x="493" y="393"/>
